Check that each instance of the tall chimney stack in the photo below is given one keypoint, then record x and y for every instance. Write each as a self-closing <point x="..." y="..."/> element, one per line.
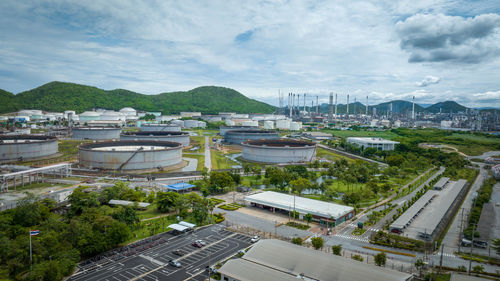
<point x="347" y="106"/>
<point x="330" y="117"/>
<point x="317" y="105"/>
<point x="413" y="109"/>
<point x="335" y="105"/>
<point x="366" y="110"/>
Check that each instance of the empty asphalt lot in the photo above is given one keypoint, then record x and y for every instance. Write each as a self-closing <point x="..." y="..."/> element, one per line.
<point x="152" y="264"/>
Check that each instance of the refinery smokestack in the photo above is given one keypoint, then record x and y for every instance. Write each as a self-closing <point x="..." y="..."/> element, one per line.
<point x="331" y="107"/>
<point x="305" y="104"/>
<point x="317" y="105"/>
<point x="335" y="106"/>
<point x="347" y="106"/>
<point x="366" y="110"/>
<point x="413" y="109"/>
<point x="355" y="113"/>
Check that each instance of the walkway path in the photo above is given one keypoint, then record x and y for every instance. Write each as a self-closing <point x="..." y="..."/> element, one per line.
<point x="208" y="159"/>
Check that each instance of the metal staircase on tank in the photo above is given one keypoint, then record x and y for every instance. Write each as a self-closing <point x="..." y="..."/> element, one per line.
<point x="130" y="158"/>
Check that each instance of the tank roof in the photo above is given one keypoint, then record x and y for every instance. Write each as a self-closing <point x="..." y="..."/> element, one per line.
<point x="279" y="143"/>
<point x="153" y="133"/>
<point x="25" y="139"/>
<point x="130" y="145"/>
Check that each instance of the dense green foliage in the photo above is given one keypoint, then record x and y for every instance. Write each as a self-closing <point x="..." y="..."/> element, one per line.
<point x="59" y="96"/>
<point x="87" y="228"/>
<point x="446" y="107"/>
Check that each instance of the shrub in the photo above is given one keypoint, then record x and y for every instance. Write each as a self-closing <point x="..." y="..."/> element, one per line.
<point x="297" y="241"/>
<point x="357" y="258"/>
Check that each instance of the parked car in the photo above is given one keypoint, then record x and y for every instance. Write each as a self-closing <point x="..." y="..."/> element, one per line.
<point x="197" y="244"/>
<point x="201" y="242"/>
<point x="254" y="239"/>
<point x="211" y="269"/>
<point x="178" y="252"/>
<point x="174" y="263"/>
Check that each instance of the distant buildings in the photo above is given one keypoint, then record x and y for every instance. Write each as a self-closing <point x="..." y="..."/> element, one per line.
<point x="378" y="143"/>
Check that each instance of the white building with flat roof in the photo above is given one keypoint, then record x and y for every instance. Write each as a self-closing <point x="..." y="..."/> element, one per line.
<point x="322" y="212"/>
<point x="378" y="143"/>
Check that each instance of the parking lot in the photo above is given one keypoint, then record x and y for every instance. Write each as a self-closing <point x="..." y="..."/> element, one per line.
<point x="149" y="261"/>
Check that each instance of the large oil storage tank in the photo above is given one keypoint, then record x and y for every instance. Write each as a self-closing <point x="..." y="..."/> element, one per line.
<point x="160" y="128"/>
<point x="130" y="155"/>
<point x="25" y="147"/>
<point x="96" y="133"/>
<point x="279" y="151"/>
<point x="224" y="129"/>
<point x="180" y="137"/>
<point x="238" y="136"/>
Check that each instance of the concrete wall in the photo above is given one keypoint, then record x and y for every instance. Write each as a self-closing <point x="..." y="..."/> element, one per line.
<point x="95" y="133"/>
<point x="28" y="150"/>
<point x="268" y="154"/>
<point x="142" y="160"/>
<point x="182" y="139"/>
<point x="160" y="128"/>
<point x="238" y="137"/>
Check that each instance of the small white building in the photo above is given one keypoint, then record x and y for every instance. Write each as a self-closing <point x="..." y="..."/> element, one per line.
<point x="378" y="143"/>
<point x="190" y="114"/>
<point x="128" y="111"/>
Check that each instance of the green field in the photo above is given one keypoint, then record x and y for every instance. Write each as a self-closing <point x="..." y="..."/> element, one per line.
<point x="219" y="161"/>
<point x="200" y="157"/>
<point x="387" y="134"/>
<point x="332" y="156"/>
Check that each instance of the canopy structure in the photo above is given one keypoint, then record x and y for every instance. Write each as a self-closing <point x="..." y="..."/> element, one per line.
<point x="182" y="186"/>
<point x="178" y="227"/>
<point x="187" y="224"/>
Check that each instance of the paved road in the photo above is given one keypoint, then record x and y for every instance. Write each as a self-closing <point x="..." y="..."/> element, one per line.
<point x="452" y="237"/>
<point x="208" y="159"/>
<point x="152" y="264"/>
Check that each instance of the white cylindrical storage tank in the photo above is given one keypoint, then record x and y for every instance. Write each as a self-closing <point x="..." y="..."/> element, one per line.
<point x="250" y="123"/>
<point x="295" y="126"/>
<point x="25" y="147"/>
<point x="268" y="125"/>
<point x="160" y="128"/>
<point x="130" y="155"/>
<point x="96" y="133"/>
<point x="128" y="111"/>
<point x="237" y="137"/>
<point x="191" y="124"/>
<point x="229" y="122"/>
<point x="179" y="123"/>
<point x="283" y="124"/>
<point x="180" y="137"/>
<point x="279" y="151"/>
<point x="224" y="129"/>
<point x="89" y="116"/>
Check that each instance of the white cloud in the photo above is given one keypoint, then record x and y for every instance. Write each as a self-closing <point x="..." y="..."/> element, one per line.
<point x="428" y="80"/>
<point x="297" y="46"/>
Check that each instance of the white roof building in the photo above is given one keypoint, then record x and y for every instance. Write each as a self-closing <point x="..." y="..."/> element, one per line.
<point x="128" y="111"/>
<point x="302" y="205"/>
<point x="378" y="143"/>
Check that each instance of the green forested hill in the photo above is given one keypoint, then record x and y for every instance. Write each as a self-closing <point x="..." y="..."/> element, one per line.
<point x="7" y="101"/>
<point x="446" y="107"/>
<point x="59" y="96"/>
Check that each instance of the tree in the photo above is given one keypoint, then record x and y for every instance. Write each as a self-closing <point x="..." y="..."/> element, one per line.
<point x="337" y="249"/>
<point x="496" y="245"/>
<point x="380" y="259"/>
<point x="317" y="242"/>
<point x="297" y="241"/>
<point x="478" y="268"/>
<point x="221" y="179"/>
<point x="395" y="160"/>
<point x="308" y="218"/>
<point x="166" y="201"/>
<point x="357" y="258"/>
<point x="419" y="264"/>
<point x="300" y="185"/>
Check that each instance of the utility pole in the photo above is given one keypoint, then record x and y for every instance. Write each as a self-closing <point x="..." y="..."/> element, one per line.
<point x="441" y="259"/>
<point x="471" y="246"/>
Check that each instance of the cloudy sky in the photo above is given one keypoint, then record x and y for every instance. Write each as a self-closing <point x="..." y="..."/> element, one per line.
<point x="434" y="50"/>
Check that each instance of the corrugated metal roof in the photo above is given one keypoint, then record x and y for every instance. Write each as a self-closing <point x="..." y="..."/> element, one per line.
<point x="486" y="221"/>
<point x="405" y="219"/>
<point x="293" y="260"/>
<point x="302" y="205"/>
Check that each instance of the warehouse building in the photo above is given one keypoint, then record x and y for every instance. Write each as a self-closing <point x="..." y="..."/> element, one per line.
<point x="272" y="259"/>
<point x="322" y="212"/>
<point x="441" y="183"/>
<point x="427" y="217"/>
<point x="378" y="143"/>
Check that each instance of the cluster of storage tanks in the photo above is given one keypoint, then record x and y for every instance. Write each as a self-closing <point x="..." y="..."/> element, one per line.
<point x="26" y="147"/>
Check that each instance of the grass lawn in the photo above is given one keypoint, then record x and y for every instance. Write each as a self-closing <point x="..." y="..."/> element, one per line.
<point x="220" y="161"/>
<point x="198" y="141"/>
<point x="150" y="228"/>
<point x="201" y="160"/>
<point x="216" y="201"/>
<point x="332" y="156"/>
<point x="297" y="225"/>
<point x="150" y="212"/>
<point x="230" y="207"/>
<point x="344" y="134"/>
<point x="359" y="231"/>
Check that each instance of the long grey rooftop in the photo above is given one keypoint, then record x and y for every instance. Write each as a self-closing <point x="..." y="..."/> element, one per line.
<point x="287" y="260"/>
<point x="404" y="220"/>
<point x="438" y="209"/>
<point x="441" y="183"/>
